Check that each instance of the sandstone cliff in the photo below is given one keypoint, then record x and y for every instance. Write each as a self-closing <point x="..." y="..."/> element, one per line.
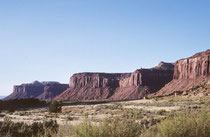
<point x="40" y="90"/>
<point x="190" y="75"/>
<point x="118" y="86"/>
<point x="186" y="75"/>
<point x="52" y="90"/>
<point x="193" y="67"/>
<point x="90" y="86"/>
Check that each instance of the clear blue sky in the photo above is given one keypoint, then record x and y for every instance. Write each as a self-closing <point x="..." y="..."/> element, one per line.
<point x="52" y="39"/>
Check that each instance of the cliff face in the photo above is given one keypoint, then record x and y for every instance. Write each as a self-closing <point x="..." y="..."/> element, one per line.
<point x="185" y="75"/>
<point x="44" y="90"/>
<point x="193" y="67"/>
<point x="52" y="90"/>
<point x="99" y="86"/>
<point x="189" y="73"/>
<point x="143" y="82"/>
<point x="117" y="86"/>
<point x="95" y="80"/>
<point x="91" y="86"/>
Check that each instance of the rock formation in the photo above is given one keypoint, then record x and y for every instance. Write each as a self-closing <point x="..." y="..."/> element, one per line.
<point x="52" y="90"/>
<point x="90" y="86"/>
<point x="36" y="89"/>
<point x="190" y="75"/>
<point x="118" y="86"/>
<point x="193" y="67"/>
<point x="186" y="75"/>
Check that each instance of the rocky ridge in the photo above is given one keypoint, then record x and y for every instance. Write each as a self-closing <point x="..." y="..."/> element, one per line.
<point x="41" y="90"/>
<point x="117" y="86"/>
<point x="184" y="76"/>
<point x="190" y="75"/>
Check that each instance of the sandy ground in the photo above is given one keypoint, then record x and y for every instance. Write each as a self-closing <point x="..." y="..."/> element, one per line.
<point x="154" y="108"/>
<point x="75" y="114"/>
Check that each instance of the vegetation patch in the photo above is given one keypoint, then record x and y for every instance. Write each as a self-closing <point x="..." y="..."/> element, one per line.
<point x="55" y="107"/>
<point x="113" y="127"/>
<point x="47" y="128"/>
<point x="12" y="105"/>
<point x="187" y="124"/>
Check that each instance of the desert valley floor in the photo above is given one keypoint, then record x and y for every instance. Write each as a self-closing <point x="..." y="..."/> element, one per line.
<point x="143" y="110"/>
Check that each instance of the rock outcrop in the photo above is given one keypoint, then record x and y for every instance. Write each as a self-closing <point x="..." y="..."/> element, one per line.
<point x="36" y="89"/>
<point x="186" y="75"/>
<point x="118" y="86"/>
<point x="90" y="86"/>
<point x="52" y="90"/>
<point x="193" y="67"/>
<point x="189" y="74"/>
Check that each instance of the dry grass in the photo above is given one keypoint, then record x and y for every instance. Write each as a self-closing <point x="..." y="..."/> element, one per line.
<point x="146" y="112"/>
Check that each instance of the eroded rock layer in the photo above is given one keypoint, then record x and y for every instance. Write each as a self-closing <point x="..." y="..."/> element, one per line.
<point x="52" y="90"/>
<point x="118" y="86"/>
<point x="193" y="67"/>
<point x="189" y="74"/>
<point x="40" y="90"/>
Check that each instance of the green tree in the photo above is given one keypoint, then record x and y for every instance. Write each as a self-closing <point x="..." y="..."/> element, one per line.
<point x="55" y="107"/>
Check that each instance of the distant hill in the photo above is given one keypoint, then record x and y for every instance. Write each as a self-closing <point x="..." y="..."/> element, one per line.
<point x="46" y="90"/>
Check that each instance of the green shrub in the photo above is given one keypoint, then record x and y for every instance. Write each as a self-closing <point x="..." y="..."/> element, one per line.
<point x="161" y="112"/>
<point x="55" y="107"/>
<point x="114" y="127"/>
<point x="10" y="129"/>
<point x="69" y="118"/>
<point x="50" y="127"/>
<point x="188" y="124"/>
<point x="114" y="106"/>
<point x="133" y="113"/>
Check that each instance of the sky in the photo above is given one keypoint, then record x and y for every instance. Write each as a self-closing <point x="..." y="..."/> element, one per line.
<point x="49" y="40"/>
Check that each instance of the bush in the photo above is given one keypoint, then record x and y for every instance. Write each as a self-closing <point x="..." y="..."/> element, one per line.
<point x="11" y="129"/>
<point x="114" y="106"/>
<point x="55" y="107"/>
<point x="133" y="113"/>
<point x="114" y="127"/>
<point x="188" y="124"/>
<point x="161" y="112"/>
<point x="69" y="118"/>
